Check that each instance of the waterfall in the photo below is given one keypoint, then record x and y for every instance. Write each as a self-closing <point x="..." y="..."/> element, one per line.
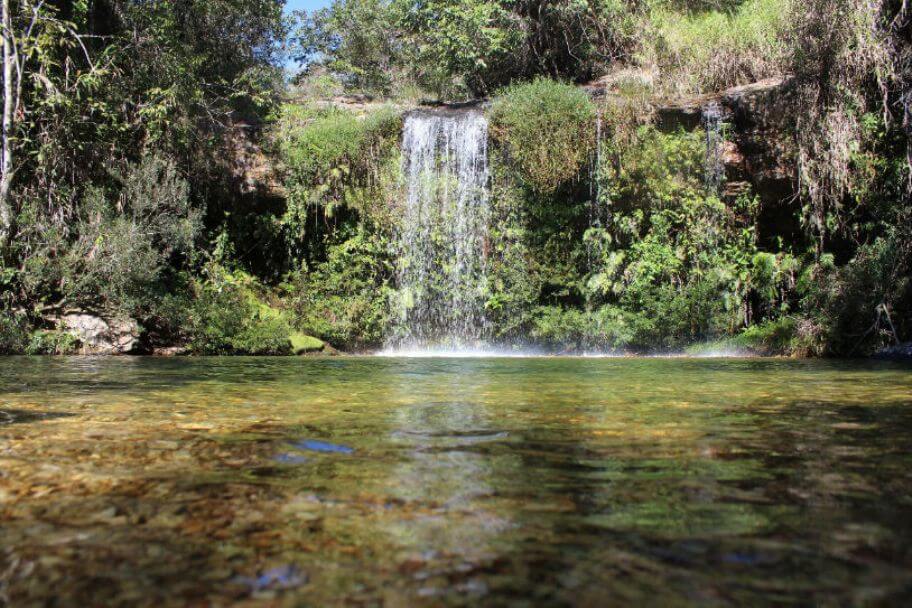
<point x="441" y="245"/>
<point x="598" y="209"/>
<point x="715" y="165"/>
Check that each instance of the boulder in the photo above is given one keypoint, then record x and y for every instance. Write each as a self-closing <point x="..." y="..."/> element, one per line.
<point x="98" y="336"/>
<point x="171" y="351"/>
<point x="900" y="352"/>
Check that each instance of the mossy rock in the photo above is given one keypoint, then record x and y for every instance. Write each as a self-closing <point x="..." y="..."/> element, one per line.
<point x="302" y="344"/>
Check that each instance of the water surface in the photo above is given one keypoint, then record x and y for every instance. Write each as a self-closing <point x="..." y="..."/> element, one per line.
<point x="428" y="482"/>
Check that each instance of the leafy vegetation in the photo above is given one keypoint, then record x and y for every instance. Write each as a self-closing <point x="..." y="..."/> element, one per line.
<point x="710" y="50"/>
<point x="337" y="161"/>
<point x="465" y="47"/>
<point x="345" y="300"/>
<point x="156" y="166"/>
<point x="546" y="128"/>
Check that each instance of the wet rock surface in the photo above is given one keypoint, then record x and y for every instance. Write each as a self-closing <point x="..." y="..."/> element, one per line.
<point x="757" y="154"/>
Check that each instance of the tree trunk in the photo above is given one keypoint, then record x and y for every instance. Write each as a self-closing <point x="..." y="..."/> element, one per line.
<point x="6" y="154"/>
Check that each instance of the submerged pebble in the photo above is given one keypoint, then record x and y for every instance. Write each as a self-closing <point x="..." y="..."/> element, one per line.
<point x="288" y="458"/>
<point x="274" y="579"/>
<point x="322" y="446"/>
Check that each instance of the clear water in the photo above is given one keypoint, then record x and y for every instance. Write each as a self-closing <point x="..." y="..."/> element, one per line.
<point x="429" y="482"/>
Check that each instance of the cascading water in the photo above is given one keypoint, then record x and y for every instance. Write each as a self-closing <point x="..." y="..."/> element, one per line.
<point x="598" y="206"/>
<point x="715" y="166"/>
<point x="442" y="241"/>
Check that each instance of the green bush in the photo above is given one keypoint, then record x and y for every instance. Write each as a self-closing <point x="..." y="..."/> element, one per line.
<point x="561" y="328"/>
<point x="340" y="169"/>
<point x="672" y="255"/>
<point x="263" y="336"/>
<point x="121" y="247"/>
<point x="574" y="330"/>
<point x="865" y="304"/>
<point x="14" y="333"/>
<point x="332" y="157"/>
<point x="512" y="286"/>
<point x="224" y="321"/>
<point x="345" y="300"/>
<point x="42" y="342"/>
<point x="547" y="129"/>
<point x="774" y="337"/>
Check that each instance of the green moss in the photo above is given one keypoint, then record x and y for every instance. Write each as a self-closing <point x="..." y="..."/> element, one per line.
<point x="302" y="343"/>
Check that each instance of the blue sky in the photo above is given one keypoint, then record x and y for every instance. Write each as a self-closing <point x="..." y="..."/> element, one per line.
<point x="309" y="5"/>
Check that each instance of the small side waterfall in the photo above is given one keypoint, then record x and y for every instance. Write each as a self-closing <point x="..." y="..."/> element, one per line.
<point x="442" y="243"/>
<point x="715" y="165"/>
<point x="598" y="207"/>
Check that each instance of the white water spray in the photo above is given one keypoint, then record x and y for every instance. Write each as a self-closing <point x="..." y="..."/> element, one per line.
<point x="715" y="141"/>
<point x="442" y="244"/>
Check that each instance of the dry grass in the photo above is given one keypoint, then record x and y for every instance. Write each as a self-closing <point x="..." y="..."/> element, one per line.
<point x="699" y="52"/>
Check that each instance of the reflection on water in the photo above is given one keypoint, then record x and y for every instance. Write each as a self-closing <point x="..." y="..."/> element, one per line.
<point x="410" y="482"/>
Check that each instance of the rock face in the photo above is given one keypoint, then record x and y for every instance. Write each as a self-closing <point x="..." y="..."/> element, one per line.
<point x="98" y="336"/>
<point x="757" y="153"/>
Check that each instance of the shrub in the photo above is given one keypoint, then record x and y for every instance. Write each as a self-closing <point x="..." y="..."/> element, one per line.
<point x="547" y="129"/>
<point x="224" y="321"/>
<point x="263" y="336"/>
<point x="561" y="328"/>
<point x="708" y="50"/>
<point x="345" y="300"/>
<point x="775" y="337"/>
<point x="845" y="62"/>
<point x="865" y="304"/>
<point x="126" y="242"/>
<point x="336" y="160"/>
<point x="672" y="254"/>
<point x="14" y="333"/>
<point x="43" y="342"/>
<point x="575" y="330"/>
<point x="511" y="287"/>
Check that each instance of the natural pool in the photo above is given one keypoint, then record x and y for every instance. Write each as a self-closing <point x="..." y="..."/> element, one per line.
<point x="412" y="482"/>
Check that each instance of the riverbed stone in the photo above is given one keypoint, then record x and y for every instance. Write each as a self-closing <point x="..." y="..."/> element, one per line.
<point x="99" y="336"/>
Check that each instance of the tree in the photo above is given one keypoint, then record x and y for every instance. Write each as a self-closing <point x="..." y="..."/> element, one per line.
<point x="94" y="89"/>
<point x="355" y="40"/>
<point x="6" y="156"/>
<point x="29" y="30"/>
<point x="464" y="47"/>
